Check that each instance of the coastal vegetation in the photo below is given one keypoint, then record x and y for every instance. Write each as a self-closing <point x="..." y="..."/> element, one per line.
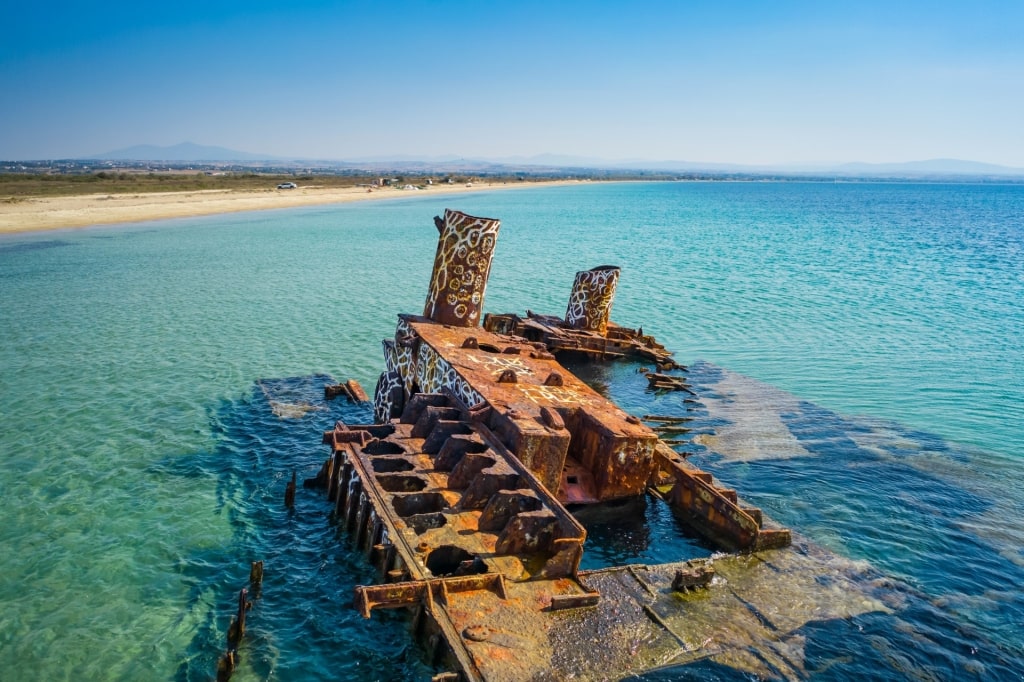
<point x="15" y="185"/>
<point x="73" y="178"/>
<point x="26" y="180"/>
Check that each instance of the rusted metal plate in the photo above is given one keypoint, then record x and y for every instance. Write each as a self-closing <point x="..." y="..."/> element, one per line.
<point x="749" y="617"/>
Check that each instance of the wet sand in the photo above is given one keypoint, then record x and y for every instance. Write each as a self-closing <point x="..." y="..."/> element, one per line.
<point x="52" y="213"/>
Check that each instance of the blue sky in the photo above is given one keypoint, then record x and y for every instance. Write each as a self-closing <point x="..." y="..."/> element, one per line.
<point x="752" y="82"/>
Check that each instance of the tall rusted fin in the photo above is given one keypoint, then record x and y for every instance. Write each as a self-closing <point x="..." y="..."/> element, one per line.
<point x="462" y="264"/>
<point x="590" y="305"/>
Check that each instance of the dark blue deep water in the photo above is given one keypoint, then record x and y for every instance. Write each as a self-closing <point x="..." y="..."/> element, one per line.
<point x="856" y="350"/>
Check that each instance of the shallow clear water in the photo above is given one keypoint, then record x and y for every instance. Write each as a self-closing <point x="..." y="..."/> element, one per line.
<point x="142" y="467"/>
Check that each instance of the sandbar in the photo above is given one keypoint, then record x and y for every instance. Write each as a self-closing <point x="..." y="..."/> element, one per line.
<point x="53" y="213"/>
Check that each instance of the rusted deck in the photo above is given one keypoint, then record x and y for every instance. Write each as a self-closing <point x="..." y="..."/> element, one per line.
<point x="581" y="446"/>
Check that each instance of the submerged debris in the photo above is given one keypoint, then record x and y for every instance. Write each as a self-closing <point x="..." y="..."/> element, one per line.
<point x="351" y="389"/>
<point x="292" y="410"/>
<point x="256" y="576"/>
<point x="228" y="661"/>
<point x="695" y="574"/>
<point x="289" y="492"/>
<point x="667" y="382"/>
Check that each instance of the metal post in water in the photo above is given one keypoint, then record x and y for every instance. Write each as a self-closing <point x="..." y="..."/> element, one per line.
<point x="590" y="304"/>
<point x="462" y="265"/>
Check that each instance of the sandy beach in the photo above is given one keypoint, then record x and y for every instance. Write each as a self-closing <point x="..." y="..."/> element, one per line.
<point x="52" y="213"/>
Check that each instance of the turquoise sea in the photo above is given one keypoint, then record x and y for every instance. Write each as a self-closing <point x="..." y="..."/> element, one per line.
<point x="142" y="464"/>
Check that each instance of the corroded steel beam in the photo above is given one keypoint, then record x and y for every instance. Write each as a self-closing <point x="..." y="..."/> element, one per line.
<point x="715" y="512"/>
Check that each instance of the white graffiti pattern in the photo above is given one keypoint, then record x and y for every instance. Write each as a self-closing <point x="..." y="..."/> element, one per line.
<point x="549" y="395"/>
<point x="499" y="363"/>
<point x="461" y="267"/>
<point x="435" y="373"/>
<point x="383" y="405"/>
<point x="405" y="354"/>
<point x="591" y="300"/>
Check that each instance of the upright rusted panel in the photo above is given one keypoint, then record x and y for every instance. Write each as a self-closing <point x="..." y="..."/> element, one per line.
<point x="590" y="305"/>
<point x="462" y="264"/>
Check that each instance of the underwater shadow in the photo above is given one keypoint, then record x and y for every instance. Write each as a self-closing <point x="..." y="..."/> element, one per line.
<point x="301" y="625"/>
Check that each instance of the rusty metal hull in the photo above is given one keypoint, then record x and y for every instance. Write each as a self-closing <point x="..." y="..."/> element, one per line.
<point x="458" y="493"/>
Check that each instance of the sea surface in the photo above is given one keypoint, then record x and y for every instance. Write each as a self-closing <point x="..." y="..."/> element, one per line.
<point x="856" y="351"/>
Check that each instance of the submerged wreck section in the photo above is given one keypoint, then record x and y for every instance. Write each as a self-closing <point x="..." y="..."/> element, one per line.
<point x="459" y="493"/>
<point x="587" y="329"/>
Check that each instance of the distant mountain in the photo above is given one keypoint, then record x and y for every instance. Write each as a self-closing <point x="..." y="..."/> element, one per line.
<point x="404" y="159"/>
<point x="547" y="160"/>
<point x="544" y="161"/>
<point x="931" y="166"/>
<point x="693" y="167"/>
<point x="185" y="151"/>
<point x="557" y="161"/>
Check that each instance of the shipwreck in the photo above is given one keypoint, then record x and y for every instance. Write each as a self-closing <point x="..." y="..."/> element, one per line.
<point x="461" y="493"/>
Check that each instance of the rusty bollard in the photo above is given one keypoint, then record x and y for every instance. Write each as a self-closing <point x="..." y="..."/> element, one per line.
<point x="696" y="574"/>
<point x="256" y="578"/>
<point x="289" y="492"/>
<point x="256" y="574"/>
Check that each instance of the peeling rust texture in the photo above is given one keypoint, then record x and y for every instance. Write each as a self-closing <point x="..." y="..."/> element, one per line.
<point x="457" y="494"/>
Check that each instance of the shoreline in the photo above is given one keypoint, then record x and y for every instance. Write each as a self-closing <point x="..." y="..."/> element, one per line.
<point x="45" y="214"/>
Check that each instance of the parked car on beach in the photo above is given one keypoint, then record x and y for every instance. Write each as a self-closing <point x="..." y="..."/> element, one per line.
<point x="287" y="185"/>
